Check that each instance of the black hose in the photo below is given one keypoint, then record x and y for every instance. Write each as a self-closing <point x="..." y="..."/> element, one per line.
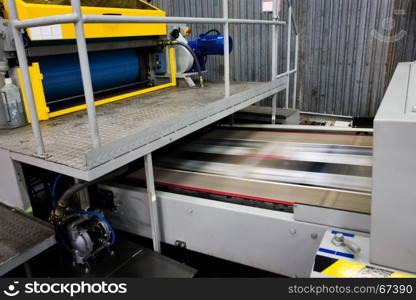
<point x="64" y="200"/>
<point x="198" y="65"/>
<point x="212" y="30"/>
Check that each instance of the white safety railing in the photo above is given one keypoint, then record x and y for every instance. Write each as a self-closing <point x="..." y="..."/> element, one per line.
<point x="78" y="19"/>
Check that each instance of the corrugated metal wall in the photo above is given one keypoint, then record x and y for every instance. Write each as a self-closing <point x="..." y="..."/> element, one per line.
<point x="348" y="48"/>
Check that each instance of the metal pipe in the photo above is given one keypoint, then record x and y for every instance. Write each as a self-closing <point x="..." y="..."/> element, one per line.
<point x="44" y="21"/>
<point x="71" y="18"/>
<point x="24" y="69"/>
<point x="274" y="58"/>
<point x="86" y="74"/>
<point x="256" y="22"/>
<point x="285" y="74"/>
<point x="134" y="19"/>
<point x="295" y="80"/>
<point x="289" y="39"/>
<point x="295" y="23"/>
<point x="151" y="195"/>
<point x="226" y="50"/>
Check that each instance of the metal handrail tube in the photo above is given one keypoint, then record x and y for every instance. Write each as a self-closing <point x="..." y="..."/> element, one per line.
<point x="274" y="57"/>
<point x="285" y="74"/>
<point x="134" y="19"/>
<point x="295" y="23"/>
<point x="86" y="74"/>
<point x="295" y="80"/>
<point x="71" y="18"/>
<point x="24" y="68"/>
<point x="288" y="56"/>
<point x="226" y="33"/>
<point x="44" y="21"/>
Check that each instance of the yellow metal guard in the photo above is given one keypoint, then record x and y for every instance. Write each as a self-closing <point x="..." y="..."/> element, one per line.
<point x="29" y="9"/>
<point x="43" y="109"/>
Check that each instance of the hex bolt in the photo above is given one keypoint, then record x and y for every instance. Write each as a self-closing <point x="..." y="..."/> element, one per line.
<point x="292" y="231"/>
<point x="314" y="236"/>
<point x="414" y="108"/>
<point x="190" y="210"/>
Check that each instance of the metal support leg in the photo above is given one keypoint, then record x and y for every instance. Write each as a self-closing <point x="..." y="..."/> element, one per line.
<point x="274" y="57"/>
<point x="24" y="69"/>
<point x="295" y="80"/>
<point x="289" y="38"/>
<point x="226" y="50"/>
<point x="28" y="270"/>
<point x="86" y="74"/>
<point x="151" y="194"/>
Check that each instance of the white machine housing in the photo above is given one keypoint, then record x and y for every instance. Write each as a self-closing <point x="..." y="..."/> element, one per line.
<point x="393" y="223"/>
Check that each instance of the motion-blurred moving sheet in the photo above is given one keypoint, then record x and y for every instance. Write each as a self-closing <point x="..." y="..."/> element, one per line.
<point x="321" y="169"/>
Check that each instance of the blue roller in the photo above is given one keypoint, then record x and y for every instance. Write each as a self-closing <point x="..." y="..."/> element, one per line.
<point x="109" y="69"/>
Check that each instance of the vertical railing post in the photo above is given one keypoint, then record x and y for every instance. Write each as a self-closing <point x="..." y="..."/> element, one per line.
<point x="289" y="39"/>
<point x="24" y="69"/>
<point x="153" y="207"/>
<point x="86" y="74"/>
<point x="295" y="80"/>
<point x="226" y="50"/>
<point x="274" y="57"/>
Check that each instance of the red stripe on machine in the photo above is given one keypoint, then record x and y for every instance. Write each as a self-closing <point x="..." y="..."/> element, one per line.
<point x="300" y="132"/>
<point x="224" y="193"/>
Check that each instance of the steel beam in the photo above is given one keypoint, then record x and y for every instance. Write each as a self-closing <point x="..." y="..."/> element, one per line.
<point x="152" y="200"/>
<point x="295" y="80"/>
<point x="45" y="21"/>
<point x="226" y="51"/>
<point x="274" y="57"/>
<point x="163" y="20"/>
<point x="24" y="69"/>
<point x="289" y="38"/>
<point x="86" y="74"/>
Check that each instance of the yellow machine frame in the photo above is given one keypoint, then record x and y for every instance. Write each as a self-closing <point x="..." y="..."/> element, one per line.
<point x="43" y="109"/>
<point x="27" y="10"/>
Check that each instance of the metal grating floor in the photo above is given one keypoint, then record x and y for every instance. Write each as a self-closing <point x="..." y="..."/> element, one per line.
<point x="21" y="237"/>
<point x="67" y="140"/>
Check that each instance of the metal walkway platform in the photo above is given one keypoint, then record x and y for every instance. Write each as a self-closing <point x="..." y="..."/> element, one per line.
<point x="21" y="238"/>
<point x="132" y="128"/>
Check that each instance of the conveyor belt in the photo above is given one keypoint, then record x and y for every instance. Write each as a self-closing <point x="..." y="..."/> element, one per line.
<point x="327" y="170"/>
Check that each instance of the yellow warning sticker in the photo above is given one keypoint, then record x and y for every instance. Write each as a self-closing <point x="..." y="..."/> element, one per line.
<point x="349" y="269"/>
<point x="343" y="269"/>
<point x="401" y="275"/>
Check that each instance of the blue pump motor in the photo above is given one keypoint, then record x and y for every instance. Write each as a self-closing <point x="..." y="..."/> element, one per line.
<point x="208" y="44"/>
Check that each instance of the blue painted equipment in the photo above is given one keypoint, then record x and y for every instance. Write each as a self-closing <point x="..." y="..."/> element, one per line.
<point x="159" y="63"/>
<point x="208" y="44"/>
<point x="109" y="69"/>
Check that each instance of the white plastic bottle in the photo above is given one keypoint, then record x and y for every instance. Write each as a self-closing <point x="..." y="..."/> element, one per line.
<point x="14" y="114"/>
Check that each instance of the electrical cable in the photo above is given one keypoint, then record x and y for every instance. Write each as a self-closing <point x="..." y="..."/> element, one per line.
<point x="54" y="186"/>
<point x="212" y="30"/>
<point x="59" y="235"/>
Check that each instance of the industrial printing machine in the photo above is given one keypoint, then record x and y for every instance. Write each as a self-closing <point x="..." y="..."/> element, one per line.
<point x="337" y="203"/>
<point x="297" y="201"/>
